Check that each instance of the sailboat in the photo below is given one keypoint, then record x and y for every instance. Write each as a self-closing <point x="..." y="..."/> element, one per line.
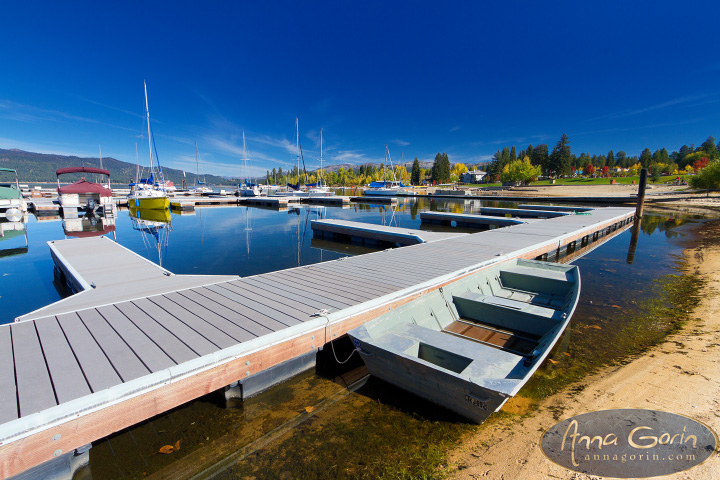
<point x="318" y="189"/>
<point x="198" y="188"/>
<point x="148" y="193"/>
<point x="247" y="189"/>
<point x="293" y="189"/>
<point x="388" y="188"/>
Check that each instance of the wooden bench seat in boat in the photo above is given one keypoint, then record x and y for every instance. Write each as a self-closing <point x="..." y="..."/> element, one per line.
<point x="520" y="342"/>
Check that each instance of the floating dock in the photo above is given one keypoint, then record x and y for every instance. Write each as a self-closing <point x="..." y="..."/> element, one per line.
<point x="338" y="200"/>
<point x="379" y="200"/>
<point x="370" y="233"/>
<point x="556" y="208"/>
<point x="522" y="212"/>
<point x="468" y="220"/>
<point x="86" y="367"/>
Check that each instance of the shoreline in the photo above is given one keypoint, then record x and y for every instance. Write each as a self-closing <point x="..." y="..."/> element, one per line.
<point x="661" y="378"/>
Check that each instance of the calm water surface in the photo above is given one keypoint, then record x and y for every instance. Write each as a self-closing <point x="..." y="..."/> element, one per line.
<point x="212" y="241"/>
<point x="311" y="426"/>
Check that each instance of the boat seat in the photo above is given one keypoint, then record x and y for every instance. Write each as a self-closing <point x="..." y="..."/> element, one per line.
<point x="499" y="289"/>
<point x="486" y="362"/>
<point x="507" y="313"/>
<point x="540" y="280"/>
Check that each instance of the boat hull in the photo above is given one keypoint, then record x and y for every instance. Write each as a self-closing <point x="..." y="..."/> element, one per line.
<point x="463" y="397"/>
<point x="149" y="203"/>
<point x="474" y="343"/>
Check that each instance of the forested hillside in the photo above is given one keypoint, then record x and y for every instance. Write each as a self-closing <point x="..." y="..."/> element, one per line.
<point x="40" y="167"/>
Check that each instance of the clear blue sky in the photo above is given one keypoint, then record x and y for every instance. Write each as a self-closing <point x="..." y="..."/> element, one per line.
<point x="464" y="78"/>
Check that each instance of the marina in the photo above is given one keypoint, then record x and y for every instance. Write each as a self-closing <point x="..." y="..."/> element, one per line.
<point x="260" y="322"/>
<point x="252" y="282"/>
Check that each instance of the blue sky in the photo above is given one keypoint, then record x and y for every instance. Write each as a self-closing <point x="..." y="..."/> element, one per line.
<point x="466" y="78"/>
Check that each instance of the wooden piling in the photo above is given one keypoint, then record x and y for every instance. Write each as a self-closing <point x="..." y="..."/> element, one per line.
<point x="641" y="194"/>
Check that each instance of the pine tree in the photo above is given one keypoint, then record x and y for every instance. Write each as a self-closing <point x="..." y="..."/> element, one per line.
<point x="513" y="154"/>
<point x="441" y="168"/>
<point x="561" y="157"/>
<point x="646" y="158"/>
<point x="709" y="147"/>
<point x="415" y="175"/>
<point x="610" y="162"/>
<point x="540" y="157"/>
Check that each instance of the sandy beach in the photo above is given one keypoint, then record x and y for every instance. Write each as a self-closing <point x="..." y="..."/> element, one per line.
<point x="681" y="375"/>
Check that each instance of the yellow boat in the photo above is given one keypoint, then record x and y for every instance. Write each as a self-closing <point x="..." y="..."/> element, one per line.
<point x="151" y="214"/>
<point x="149" y="202"/>
<point x="147" y="194"/>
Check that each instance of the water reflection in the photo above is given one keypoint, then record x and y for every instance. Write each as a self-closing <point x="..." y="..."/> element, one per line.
<point x="155" y="226"/>
<point x="89" y="225"/>
<point x="13" y="235"/>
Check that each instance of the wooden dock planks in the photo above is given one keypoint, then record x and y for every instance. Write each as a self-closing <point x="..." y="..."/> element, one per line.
<point x="8" y="392"/>
<point x="147" y="350"/>
<point x="34" y="387"/>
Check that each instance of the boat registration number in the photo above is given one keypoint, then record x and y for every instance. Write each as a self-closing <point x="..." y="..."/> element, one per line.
<point x="482" y="404"/>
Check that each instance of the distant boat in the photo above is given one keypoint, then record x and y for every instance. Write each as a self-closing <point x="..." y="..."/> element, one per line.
<point x="84" y="195"/>
<point x="198" y="189"/>
<point x="13" y="216"/>
<point x="319" y="189"/>
<point x="248" y="189"/>
<point x="295" y="189"/>
<point x="388" y="188"/>
<point x="149" y="193"/>
<point x="12" y="204"/>
<point x="472" y="344"/>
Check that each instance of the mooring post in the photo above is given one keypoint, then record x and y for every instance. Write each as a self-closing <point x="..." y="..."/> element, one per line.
<point x="641" y="194"/>
<point x="633" y="241"/>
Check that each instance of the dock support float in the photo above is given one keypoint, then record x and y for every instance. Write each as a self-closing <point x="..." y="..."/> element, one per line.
<point x="261" y="381"/>
<point x="63" y="467"/>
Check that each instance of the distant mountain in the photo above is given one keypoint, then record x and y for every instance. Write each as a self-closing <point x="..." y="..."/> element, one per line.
<point x="41" y="167"/>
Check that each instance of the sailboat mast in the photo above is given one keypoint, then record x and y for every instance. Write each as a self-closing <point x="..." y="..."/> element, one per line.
<point x="197" y="167"/>
<point x="147" y="116"/>
<point x="297" y="155"/>
<point x="387" y="152"/>
<point x="321" y="169"/>
<point x="137" y="165"/>
<point x="100" y="148"/>
<point x="245" y="156"/>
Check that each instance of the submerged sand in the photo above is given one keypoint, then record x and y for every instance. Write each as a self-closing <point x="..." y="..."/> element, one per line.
<point x="681" y="375"/>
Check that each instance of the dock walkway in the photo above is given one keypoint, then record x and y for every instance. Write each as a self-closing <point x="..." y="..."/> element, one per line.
<point x="366" y="232"/>
<point x="73" y="374"/>
<point x="469" y="219"/>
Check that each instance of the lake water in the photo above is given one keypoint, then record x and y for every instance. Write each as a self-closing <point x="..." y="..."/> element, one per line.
<point x="212" y="241"/>
<point x="311" y="426"/>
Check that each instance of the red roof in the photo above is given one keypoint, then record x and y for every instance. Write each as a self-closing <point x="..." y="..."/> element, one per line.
<point x="83" y="186"/>
<point x="61" y="171"/>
